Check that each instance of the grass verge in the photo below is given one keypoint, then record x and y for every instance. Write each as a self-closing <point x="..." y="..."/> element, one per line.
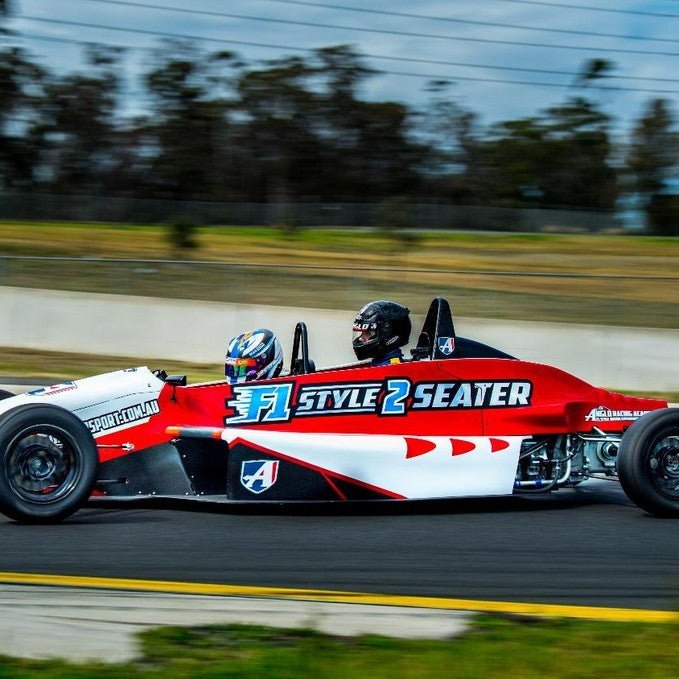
<point x="495" y="648"/>
<point x="58" y="366"/>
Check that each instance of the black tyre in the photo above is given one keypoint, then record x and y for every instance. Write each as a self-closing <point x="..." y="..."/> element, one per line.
<point x="48" y="463"/>
<point x="648" y="462"/>
<point x="5" y="394"/>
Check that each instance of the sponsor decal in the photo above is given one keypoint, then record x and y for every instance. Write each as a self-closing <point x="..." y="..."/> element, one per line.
<point x="54" y="389"/>
<point x="262" y="404"/>
<point x="258" y="475"/>
<point x="604" y="414"/>
<point x="490" y="394"/>
<point x="446" y="345"/>
<point x="360" y="397"/>
<point x="119" y="418"/>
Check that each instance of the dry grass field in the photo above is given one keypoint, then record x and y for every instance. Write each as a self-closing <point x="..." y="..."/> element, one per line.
<point x="535" y="276"/>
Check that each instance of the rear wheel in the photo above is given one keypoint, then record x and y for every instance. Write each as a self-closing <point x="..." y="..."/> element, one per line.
<point x="648" y="462"/>
<point x="48" y="463"/>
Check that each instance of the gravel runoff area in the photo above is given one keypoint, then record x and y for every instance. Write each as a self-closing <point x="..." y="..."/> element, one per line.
<point x="88" y="624"/>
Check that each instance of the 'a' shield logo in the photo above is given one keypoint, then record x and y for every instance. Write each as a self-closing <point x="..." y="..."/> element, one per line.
<point x="446" y="345"/>
<point x="258" y="475"/>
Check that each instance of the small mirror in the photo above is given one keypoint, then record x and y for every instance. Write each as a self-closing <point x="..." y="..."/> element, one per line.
<point x="176" y="380"/>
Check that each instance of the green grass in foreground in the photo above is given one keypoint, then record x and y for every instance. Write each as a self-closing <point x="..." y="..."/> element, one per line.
<point x="495" y="647"/>
<point x="57" y="366"/>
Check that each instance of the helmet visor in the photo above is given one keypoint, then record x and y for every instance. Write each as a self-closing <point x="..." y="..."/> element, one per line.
<point x="240" y="369"/>
<point x="364" y="332"/>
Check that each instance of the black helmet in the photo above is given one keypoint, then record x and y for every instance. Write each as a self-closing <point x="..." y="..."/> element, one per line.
<point x="379" y="328"/>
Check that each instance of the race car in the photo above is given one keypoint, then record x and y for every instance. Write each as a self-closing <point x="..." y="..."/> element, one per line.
<point x="459" y="419"/>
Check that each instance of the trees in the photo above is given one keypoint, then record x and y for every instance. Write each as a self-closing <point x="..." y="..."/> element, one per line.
<point x="453" y="163"/>
<point x="306" y="133"/>
<point x="297" y="129"/>
<point x="77" y="118"/>
<point x="654" y="153"/>
<point x="560" y="157"/>
<point x="653" y="161"/>
<point x="187" y="126"/>
<point x="578" y="132"/>
<point x="20" y="142"/>
<point x="369" y="149"/>
<point x="4" y="13"/>
<point x="278" y="136"/>
<point x="663" y="214"/>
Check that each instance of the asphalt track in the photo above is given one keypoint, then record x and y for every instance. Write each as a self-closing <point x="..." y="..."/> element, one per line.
<point x="588" y="546"/>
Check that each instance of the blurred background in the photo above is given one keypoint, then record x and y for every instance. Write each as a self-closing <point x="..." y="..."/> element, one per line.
<point x="520" y="157"/>
<point x="175" y="172"/>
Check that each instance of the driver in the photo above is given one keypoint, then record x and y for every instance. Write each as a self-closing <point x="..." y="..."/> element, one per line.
<point x="254" y="355"/>
<point x="381" y="328"/>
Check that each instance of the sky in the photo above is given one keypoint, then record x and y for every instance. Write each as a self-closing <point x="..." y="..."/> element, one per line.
<point x="383" y="35"/>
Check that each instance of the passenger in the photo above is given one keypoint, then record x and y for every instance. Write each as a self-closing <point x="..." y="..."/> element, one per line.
<point x="254" y="355"/>
<point x="381" y="328"/>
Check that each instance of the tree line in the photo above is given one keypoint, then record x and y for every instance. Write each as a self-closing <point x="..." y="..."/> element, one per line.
<point x="214" y="127"/>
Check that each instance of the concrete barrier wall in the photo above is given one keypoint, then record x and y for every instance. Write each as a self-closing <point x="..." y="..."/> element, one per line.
<point x="616" y="357"/>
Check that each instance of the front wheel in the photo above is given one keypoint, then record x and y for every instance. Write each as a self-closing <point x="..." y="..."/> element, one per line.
<point x="648" y="462"/>
<point x="48" y="463"/>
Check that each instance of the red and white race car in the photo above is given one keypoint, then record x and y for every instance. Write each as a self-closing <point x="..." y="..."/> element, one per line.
<point x="461" y="419"/>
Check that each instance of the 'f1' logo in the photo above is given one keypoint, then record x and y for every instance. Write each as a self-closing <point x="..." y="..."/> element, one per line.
<point x="263" y="403"/>
<point x="258" y="475"/>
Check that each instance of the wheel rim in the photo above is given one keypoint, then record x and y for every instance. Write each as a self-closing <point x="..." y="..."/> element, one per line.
<point x="663" y="463"/>
<point x="41" y="464"/>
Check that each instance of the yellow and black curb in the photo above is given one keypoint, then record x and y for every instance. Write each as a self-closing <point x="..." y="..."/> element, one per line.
<point x="332" y="596"/>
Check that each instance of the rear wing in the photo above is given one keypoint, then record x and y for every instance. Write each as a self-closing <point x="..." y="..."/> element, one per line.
<point x="437" y="339"/>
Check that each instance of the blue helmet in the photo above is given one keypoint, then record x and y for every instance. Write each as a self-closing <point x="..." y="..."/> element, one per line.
<point x="254" y="355"/>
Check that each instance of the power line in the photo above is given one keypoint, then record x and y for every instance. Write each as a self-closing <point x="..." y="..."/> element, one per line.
<point x="428" y="76"/>
<point x="406" y="15"/>
<point x="638" y="12"/>
<point x="610" y="50"/>
<point x="471" y="22"/>
<point x="367" y="55"/>
<point x="609" y="88"/>
<point x="492" y="24"/>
